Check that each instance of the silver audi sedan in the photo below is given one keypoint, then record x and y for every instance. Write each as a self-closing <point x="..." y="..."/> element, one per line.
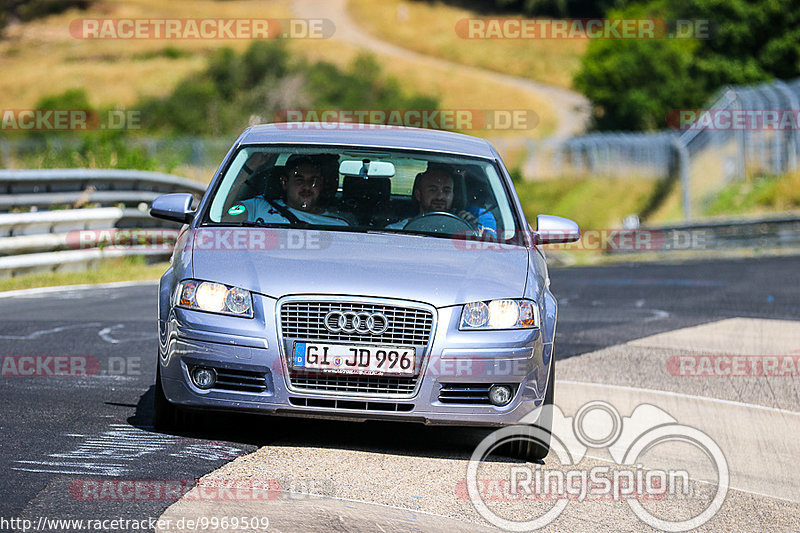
<point x="359" y="272"/>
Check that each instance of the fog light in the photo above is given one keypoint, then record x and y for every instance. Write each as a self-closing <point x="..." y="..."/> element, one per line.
<point x="204" y="378"/>
<point x="500" y="395"/>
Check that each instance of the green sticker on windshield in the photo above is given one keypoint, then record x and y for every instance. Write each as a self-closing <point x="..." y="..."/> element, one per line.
<point x="236" y="210"/>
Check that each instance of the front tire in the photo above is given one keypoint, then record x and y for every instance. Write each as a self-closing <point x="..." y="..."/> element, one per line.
<point x="536" y="447"/>
<point x="166" y="416"/>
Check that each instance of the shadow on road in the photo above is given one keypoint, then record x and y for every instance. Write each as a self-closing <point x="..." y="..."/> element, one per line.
<point x="393" y="438"/>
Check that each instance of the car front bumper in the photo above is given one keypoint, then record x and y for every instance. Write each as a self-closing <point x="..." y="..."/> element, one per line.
<point x="455" y="359"/>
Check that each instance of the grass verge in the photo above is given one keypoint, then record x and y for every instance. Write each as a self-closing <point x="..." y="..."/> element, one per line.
<point x="594" y="203"/>
<point x="760" y="194"/>
<point x="430" y="28"/>
<point x="109" y="270"/>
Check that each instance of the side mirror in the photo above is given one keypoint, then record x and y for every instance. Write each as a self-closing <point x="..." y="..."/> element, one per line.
<point x="175" y="206"/>
<point x="551" y="229"/>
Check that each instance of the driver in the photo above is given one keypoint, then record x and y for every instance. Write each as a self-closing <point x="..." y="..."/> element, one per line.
<point x="433" y="191"/>
<point x="302" y="185"/>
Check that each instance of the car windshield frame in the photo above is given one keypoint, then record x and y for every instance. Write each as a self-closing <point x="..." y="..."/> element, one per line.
<point x="203" y="215"/>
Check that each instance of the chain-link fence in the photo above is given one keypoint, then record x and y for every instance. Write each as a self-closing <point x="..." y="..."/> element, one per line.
<point x="744" y="131"/>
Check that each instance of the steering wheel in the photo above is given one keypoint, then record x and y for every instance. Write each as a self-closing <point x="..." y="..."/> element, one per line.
<point x="439" y="222"/>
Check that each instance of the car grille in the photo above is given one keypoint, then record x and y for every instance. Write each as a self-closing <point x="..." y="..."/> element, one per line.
<point x="305" y="320"/>
<point x="356" y="384"/>
<point x="408" y="326"/>
<point x="354" y="405"/>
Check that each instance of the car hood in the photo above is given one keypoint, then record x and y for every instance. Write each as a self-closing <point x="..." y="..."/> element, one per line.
<point x="280" y="262"/>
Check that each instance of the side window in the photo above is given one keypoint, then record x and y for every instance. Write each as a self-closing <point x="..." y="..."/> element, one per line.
<point x="218" y="205"/>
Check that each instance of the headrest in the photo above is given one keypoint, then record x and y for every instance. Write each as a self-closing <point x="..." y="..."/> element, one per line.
<point x="273" y="189"/>
<point x="373" y="189"/>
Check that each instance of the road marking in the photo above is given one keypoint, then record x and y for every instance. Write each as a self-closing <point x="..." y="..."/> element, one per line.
<point x="43" y="291"/>
<point x="71" y="467"/>
<point x="39" y="333"/>
<point x="755" y="493"/>
<point x="759" y="443"/>
<point x="115" y="451"/>
<point x="690" y="396"/>
<point x="105" y="334"/>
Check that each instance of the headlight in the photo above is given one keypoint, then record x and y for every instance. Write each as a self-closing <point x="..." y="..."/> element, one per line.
<point x="500" y="314"/>
<point x="214" y="298"/>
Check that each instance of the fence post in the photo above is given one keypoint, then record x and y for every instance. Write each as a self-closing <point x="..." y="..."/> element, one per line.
<point x="789" y="136"/>
<point x="5" y="150"/>
<point x="683" y="171"/>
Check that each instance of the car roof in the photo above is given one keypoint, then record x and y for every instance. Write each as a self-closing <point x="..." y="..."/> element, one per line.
<point x="367" y="135"/>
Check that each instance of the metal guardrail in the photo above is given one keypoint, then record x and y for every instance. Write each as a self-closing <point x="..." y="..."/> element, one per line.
<point x="69" y="237"/>
<point x="764" y="233"/>
<point x="51" y="187"/>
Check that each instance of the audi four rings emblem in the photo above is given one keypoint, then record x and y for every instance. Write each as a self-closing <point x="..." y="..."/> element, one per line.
<point x="352" y="322"/>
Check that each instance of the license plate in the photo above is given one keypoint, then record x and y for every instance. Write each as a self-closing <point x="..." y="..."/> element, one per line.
<point x="348" y="359"/>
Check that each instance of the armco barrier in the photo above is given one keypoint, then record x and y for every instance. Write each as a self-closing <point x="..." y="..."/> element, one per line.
<point x="33" y="239"/>
<point x="763" y="233"/>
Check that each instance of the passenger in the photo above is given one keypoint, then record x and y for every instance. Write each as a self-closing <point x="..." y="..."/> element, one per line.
<point x="302" y="184"/>
<point x="434" y="191"/>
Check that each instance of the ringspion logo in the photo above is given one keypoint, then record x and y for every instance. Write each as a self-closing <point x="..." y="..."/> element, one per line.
<point x="562" y="479"/>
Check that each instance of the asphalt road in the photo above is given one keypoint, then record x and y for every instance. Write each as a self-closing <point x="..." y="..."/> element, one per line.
<point x="60" y="435"/>
<point x="605" y="306"/>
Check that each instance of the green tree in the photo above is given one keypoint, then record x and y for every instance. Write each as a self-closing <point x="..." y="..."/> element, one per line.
<point x="265" y="80"/>
<point x="633" y="84"/>
<point x="750" y="40"/>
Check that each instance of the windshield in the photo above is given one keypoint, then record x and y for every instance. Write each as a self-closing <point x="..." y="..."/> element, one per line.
<point x="350" y="189"/>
